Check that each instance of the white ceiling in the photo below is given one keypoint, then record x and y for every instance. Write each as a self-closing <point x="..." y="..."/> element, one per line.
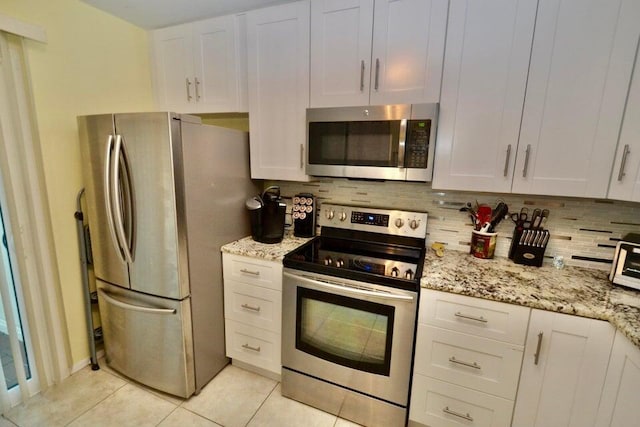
<point x="150" y="14"/>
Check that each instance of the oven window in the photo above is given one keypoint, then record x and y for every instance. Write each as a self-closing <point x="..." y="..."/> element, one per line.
<point x="343" y="330"/>
<point x="370" y="143"/>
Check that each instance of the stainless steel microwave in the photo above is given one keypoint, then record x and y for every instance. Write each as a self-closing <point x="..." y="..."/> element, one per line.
<point x="626" y="262"/>
<point x="386" y="142"/>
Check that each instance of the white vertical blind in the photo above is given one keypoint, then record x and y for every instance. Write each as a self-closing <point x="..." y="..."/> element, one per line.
<point x="29" y="234"/>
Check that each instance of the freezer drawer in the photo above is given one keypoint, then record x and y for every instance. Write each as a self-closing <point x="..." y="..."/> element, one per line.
<point x="148" y="339"/>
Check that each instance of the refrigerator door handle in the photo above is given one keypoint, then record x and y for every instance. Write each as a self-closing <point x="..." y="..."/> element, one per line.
<point x="115" y="182"/>
<point x="111" y="300"/>
<point x="107" y="197"/>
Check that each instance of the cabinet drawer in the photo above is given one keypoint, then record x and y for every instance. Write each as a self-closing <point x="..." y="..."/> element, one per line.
<point x="436" y="403"/>
<point x="478" y="363"/>
<point x="475" y="316"/>
<point x="257" y="347"/>
<point x="253" y="305"/>
<point x="253" y="271"/>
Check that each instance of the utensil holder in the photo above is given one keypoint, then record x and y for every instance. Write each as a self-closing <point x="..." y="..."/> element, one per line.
<point x="528" y="246"/>
<point x="483" y="245"/>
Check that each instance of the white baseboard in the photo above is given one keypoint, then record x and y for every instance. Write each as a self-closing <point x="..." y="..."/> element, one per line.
<point x="81" y="364"/>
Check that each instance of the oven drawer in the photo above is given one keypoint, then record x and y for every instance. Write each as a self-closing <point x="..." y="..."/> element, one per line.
<point x="478" y="363"/>
<point x="253" y="271"/>
<point x="257" y="347"/>
<point x="475" y="316"/>
<point x="436" y="403"/>
<point x="253" y="305"/>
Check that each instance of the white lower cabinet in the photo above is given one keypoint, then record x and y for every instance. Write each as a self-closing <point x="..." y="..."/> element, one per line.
<point x="563" y="371"/>
<point x="253" y="311"/>
<point x="619" y="404"/>
<point x="467" y="361"/>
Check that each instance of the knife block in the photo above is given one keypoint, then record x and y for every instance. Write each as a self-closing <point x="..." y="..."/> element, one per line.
<point x="527" y="253"/>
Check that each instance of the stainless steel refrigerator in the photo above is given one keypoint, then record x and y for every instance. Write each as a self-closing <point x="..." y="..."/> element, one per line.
<point x="164" y="193"/>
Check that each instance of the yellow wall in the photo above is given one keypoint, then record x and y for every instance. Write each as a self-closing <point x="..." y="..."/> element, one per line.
<point x="92" y="63"/>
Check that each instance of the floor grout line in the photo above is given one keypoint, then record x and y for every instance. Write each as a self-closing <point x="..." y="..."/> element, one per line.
<point x="258" y="409"/>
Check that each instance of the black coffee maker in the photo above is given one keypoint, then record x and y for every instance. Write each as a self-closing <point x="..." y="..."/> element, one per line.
<point x="267" y="216"/>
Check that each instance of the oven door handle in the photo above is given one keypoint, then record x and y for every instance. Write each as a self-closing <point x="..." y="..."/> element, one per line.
<point x="351" y="290"/>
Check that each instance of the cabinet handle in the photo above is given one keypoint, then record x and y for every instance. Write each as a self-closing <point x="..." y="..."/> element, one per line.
<point x="250" y="307"/>
<point x="506" y="161"/>
<point x="248" y="347"/>
<point x="362" y="76"/>
<point x="255" y="273"/>
<point x="466" y="416"/>
<point x="536" y="356"/>
<point x="473" y="365"/>
<point x="465" y="316"/>
<point x="197" y="88"/>
<point x="623" y="163"/>
<point x="526" y="161"/>
<point x="188" y="83"/>
<point x="377" y="73"/>
<point x="301" y="156"/>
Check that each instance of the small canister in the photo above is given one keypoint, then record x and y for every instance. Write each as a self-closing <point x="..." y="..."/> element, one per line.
<point x="483" y="245"/>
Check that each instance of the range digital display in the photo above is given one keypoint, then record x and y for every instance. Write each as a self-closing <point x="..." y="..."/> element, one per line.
<point x="367" y="218"/>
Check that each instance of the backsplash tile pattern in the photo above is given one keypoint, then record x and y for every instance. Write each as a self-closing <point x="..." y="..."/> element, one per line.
<point x="583" y="231"/>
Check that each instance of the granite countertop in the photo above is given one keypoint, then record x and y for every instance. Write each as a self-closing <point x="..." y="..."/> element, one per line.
<point x="571" y="290"/>
<point x="269" y="252"/>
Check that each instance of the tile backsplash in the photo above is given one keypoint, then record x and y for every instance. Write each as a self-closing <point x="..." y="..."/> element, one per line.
<point x="583" y="231"/>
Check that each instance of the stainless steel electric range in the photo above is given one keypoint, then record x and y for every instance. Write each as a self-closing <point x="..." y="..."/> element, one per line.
<point x="350" y="299"/>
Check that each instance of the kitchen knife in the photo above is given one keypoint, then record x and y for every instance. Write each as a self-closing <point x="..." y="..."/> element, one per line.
<point x="523" y="237"/>
<point x="546" y="239"/>
<point x="544" y="215"/>
<point x="535" y="219"/>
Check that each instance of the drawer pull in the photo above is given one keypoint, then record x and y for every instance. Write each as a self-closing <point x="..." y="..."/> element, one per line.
<point x="254" y="273"/>
<point x="536" y="356"/>
<point x="250" y="307"/>
<point x="460" y="362"/>
<point x="466" y="416"/>
<point x="465" y="316"/>
<point x="248" y="347"/>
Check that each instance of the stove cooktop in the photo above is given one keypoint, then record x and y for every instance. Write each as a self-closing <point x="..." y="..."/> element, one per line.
<point x="395" y="265"/>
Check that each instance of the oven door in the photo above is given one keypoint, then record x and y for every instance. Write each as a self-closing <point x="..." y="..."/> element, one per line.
<point x="349" y="333"/>
<point x="626" y="270"/>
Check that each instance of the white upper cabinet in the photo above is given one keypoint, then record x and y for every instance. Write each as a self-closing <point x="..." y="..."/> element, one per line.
<point x="551" y="100"/>
<point x="278" y="59"/>
<point x="197" y="66"/>
<point x="581" y="63"/>
<point x="625" y="178"/>
<point x="483" y="86"/>
<point x="383" y="52"/>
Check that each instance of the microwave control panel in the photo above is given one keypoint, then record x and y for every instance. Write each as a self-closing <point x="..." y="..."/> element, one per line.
<point x="417" y="143"/>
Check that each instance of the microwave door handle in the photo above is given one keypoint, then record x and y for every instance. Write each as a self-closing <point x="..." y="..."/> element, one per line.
<point x="348" y="289"/>
<point x="402" y="141"/>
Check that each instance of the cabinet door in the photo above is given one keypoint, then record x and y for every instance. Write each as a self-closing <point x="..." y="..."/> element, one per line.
<point x="565" y="362"/>
<point x="278" y="58"/>
<point x="581" y="62"/>
<point x="408" y="51"/>
<point x="619" y="406"/>
<point x="483" y="86"/>
<point x="173" y="59"/>
<point x="625" y="177"/>
<point x="340" y="52"/>
<point x="215" y="76"/>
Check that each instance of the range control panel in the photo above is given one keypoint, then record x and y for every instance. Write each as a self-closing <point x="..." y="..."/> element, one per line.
<point x="377" y="220"/>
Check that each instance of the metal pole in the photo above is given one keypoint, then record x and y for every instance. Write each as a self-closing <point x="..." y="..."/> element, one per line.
<point x="85" y="279"/>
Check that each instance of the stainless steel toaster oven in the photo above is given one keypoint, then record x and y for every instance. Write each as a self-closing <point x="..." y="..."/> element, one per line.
<point x="626" y="262"/>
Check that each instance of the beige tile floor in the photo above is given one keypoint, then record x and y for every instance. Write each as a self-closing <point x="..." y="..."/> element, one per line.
<point x="234" y="398"/>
